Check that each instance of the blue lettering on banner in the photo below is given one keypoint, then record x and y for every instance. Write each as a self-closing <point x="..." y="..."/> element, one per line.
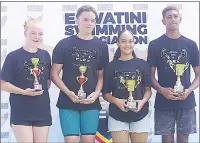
<point x="108" y="24"/>
<point x="70" y="18"/>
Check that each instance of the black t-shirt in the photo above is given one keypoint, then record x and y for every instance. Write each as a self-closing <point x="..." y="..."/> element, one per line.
<point x="74" y="52"/>
<point x="17" y="70"/>
<point x="164" y="53"/>
<point x="118" y="70"/>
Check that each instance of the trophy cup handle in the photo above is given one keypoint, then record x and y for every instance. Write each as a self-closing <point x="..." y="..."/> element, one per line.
<point x="86" y="78"/>
<point x="31" y="71"/>
<point x="171" y="64"/>
<point x="39" y="71"/>
<point x="77" y="78"/>
<point x="122" y="81"/>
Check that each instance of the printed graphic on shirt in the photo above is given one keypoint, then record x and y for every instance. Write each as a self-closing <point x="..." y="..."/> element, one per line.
<point x="176" y="60"/>
<point x="82" y="56"/>
<point x="34" y="69"/>
<point x="127" y="79"/>
<point x="82" y="59"/>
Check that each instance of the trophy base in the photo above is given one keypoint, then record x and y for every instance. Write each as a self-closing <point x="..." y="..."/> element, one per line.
<point x="81" y="95"/>
<point x="179" y="89"/>
<point x="179" y="92"/>
<point x="131" y="105"/>
<point x="37" y="87"/>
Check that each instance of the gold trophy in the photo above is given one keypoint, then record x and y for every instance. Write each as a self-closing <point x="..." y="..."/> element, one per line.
<point x="36" y="71"/>
<point x="179" y="69"/>
<point x="131" y="84"/>
<point x="82" y="79"/>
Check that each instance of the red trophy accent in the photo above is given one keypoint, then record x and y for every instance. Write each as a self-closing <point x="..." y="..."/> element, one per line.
<point x="82" y="79"/>
<point x="35" y="71"/>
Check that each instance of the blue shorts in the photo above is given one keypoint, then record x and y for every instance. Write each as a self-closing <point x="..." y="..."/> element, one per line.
<point x="184" y="119"/>
<point x="75" y="122"/>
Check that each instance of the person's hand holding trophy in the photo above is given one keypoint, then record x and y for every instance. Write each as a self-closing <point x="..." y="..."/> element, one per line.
<point x="179" y="69"/>
<point x="131" y="84"/>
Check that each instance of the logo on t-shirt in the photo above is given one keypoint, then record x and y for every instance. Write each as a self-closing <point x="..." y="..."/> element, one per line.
<point x="174" y="57"/>
<point x="123" y="76"/>
<point x="34" y="68"/>
<point x="83" y="55"/>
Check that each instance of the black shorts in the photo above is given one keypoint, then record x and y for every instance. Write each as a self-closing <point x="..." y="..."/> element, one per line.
<point x="32" y="123"/>
<point x="184" y="119"/>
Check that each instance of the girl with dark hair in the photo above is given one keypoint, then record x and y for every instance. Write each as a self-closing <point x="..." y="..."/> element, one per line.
<point x="118" y="51"/>
<point x="127" y="77"/>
